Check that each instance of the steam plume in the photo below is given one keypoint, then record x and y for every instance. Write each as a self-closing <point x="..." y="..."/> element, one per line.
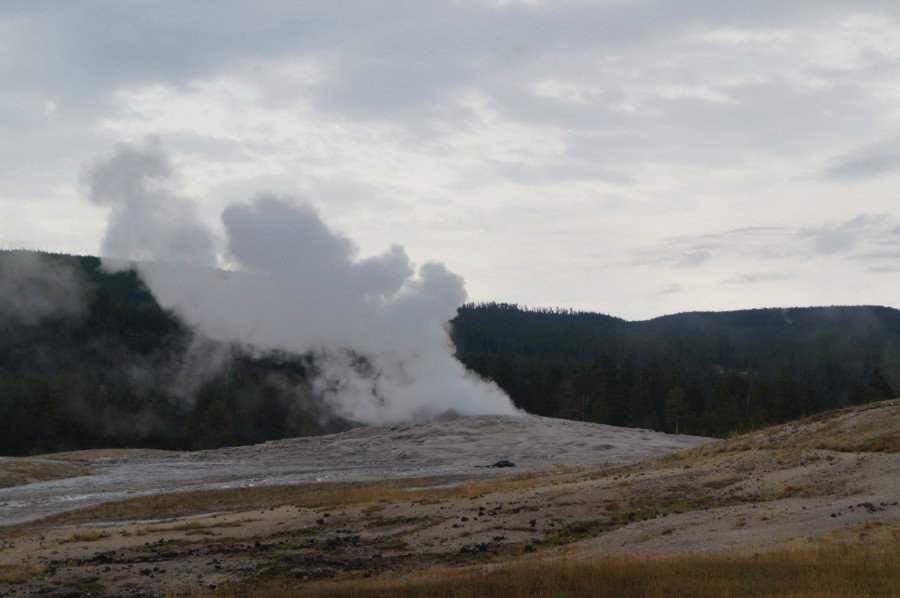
<point x="376" y="325"/>
<point x="146" y="220"/>
<point x="34" y="288"/>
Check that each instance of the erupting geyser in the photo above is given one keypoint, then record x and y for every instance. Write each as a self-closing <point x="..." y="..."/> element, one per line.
<point x="376" y="326"/>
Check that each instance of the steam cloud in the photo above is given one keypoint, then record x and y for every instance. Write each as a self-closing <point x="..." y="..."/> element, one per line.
<point x="376" y="325"/>
<point x="34" y="289"/>
<point x="147" y="221"/>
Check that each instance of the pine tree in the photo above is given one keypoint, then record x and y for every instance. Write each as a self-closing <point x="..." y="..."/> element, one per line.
<point x="677" y="408"/>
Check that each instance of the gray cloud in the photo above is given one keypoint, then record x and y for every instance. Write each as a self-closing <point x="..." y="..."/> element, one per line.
<point x="864" y="166"/>
<point x="407" y="63"/>
<point x="691" y="251"/>
<point x="393" y="61"/>
<point x="693" y="259"/>
<point x="356" y="195"/>
<point x="862" y="237"/>
<point x="570" y="170"/>
<point x="751" y="278"/>
<point x="841" y="238"/>
<point x="886" y="269"/>
<point x="665" y="103"/>
<point x="670" y="289"/>
<point x="833" y="240"/>
<point x="872" y="238"/>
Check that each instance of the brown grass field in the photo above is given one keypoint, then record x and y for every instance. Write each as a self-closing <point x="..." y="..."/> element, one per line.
<point x="834" y="570"/>
<point x="808" y="508"/>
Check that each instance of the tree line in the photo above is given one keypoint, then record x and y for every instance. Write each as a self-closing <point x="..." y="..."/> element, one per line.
<point x="700" y="373"/>
<point x="88" y="359"/>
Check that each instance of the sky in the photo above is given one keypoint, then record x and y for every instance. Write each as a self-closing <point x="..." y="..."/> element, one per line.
<point x="633" y="158"/>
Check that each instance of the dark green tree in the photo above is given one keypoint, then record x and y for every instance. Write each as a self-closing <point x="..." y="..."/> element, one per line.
<point x="677" y="409"/>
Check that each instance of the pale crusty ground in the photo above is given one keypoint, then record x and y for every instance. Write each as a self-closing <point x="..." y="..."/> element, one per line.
<point x="628" y="492"/>
<point x="451" y="446"/>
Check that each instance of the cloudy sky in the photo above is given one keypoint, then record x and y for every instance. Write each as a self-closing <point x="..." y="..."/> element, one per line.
<point x="634" y="157"/>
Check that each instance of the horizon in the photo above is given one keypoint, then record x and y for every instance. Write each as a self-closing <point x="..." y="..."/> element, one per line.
<point x="529" y="308"/>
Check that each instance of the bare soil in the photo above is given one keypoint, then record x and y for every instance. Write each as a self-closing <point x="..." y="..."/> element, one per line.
<point x="404" y="498"/>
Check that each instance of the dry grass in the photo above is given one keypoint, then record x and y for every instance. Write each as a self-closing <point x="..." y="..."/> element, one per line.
<point x="821" y="571"/>
<point x="322" y="495"/>
<point x="85" y="535"/>
<point x="887" y="442"/>
<point x="190" y="527"/>
<point x="196" y="524"/>
<point x="18" y="574"/>
<point x="863" y="428"/>
<point x="662" y="506"/>
<point x="25" y="470"/>
<point x="111" y="453"/>
<point x="868" y="428"/>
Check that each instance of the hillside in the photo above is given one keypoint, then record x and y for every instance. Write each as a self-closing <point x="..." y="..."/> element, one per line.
<point x="88" y="359"/>
<point x="704" y="373"/>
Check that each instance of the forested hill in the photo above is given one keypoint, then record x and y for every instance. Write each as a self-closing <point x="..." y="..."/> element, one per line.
<point x="709" y="372"/>
<point x="88" y="359"/>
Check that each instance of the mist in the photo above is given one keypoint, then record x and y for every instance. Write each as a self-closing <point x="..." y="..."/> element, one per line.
<point x="375" y="327"/>
<point x="34" y="288"/>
